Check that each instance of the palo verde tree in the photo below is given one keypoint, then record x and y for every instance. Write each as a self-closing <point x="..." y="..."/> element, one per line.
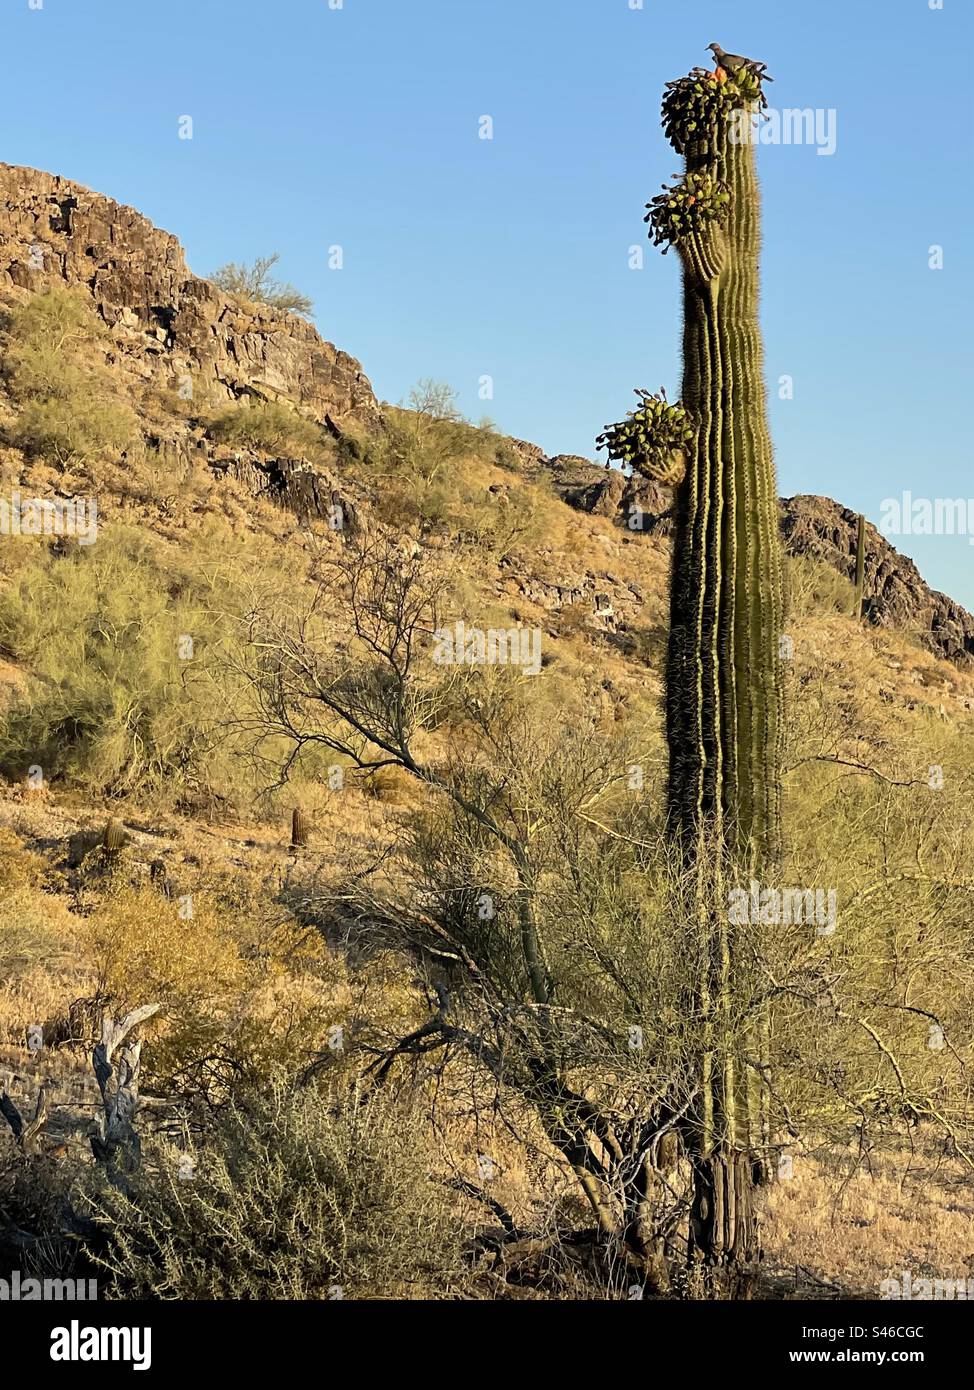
<point x="254" y="282"/>
<point x="526" y="886"/>
<point x="724" y="686"/>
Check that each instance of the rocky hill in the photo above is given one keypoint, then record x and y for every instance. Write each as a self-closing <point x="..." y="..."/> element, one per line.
<point x="896" y="594"/>
<point x="169" y="326"/>
<point x="166" y="321"/>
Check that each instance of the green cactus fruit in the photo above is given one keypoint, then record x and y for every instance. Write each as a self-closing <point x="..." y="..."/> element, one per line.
<point x="654" y="438"/>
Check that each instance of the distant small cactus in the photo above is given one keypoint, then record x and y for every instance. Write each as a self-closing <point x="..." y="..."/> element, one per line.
<point x="115" y="836"/>
<point x="300" y="828"/>
<point x="860" y="570"/>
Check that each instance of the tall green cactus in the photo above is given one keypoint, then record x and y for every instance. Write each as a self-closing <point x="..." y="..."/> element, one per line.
<point x="724" y="685"/>
<point x="724" y="682"/>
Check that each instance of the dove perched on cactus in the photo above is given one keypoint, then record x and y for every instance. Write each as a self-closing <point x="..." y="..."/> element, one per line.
<point x="733" y="63"/>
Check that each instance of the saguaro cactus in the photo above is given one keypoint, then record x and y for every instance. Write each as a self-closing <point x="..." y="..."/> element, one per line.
<point x="300" y="828"/>
<point x="724" y="683"/>
<point x="859" y="603"/>
<point x="723" y="678"/>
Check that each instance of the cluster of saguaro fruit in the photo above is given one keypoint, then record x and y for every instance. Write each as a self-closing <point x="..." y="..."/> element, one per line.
<point x="697" y="109"/>
<point x="687" y="207"/>
<point x="653" y="439"/>
<point x="724" y="681"/>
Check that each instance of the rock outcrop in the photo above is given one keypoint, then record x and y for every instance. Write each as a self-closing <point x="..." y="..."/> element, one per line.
<point x="642" y="505"/>
<point x="895" y="592"/>
<point x="166" y="322"/>
<point x="310" y="492"/>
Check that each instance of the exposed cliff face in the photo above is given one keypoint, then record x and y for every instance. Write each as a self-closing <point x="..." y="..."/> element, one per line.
<point x="895" y="592"/>
<point x="166" y="321"/>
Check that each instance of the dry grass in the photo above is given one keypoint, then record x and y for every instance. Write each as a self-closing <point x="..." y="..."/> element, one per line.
<point x="852" y="1230"/>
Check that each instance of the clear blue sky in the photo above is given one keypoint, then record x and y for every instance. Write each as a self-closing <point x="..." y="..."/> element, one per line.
<point x="466" y="258"/>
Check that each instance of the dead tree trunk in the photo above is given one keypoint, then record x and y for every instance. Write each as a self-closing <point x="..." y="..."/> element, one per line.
<point x="117" y="1062"/>
<point x="723" y="1243"/>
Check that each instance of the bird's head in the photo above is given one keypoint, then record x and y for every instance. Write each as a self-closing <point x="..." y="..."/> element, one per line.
<point x="715" y="49"/>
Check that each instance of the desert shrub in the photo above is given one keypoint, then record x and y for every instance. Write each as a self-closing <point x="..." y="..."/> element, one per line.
<point x="19" y="867"/>
<point x="117" y="701"/>
<point x="66" y="396"/>
<point x="815" y="587"/>
<point x="28" y="935"/>
<point x="254" y="283"/>
<point x="296" y="1194"/>
<point x="575" y="620"/>
<point x="112" y="703"/>
<point x="436" y="471"/>
<point x="267" y="426"/>
<point x="35" y="1195"/>
<point x="31" y="936"/>
<point x="434" y="403"/>
<point x="390" y="785"/>
<point x="240" y="991"/>
<point x="67" y="430"/>
<point x="435" y="399"/>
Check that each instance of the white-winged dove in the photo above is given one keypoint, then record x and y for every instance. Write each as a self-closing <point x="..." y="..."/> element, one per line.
<point x="734" y="63"/>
